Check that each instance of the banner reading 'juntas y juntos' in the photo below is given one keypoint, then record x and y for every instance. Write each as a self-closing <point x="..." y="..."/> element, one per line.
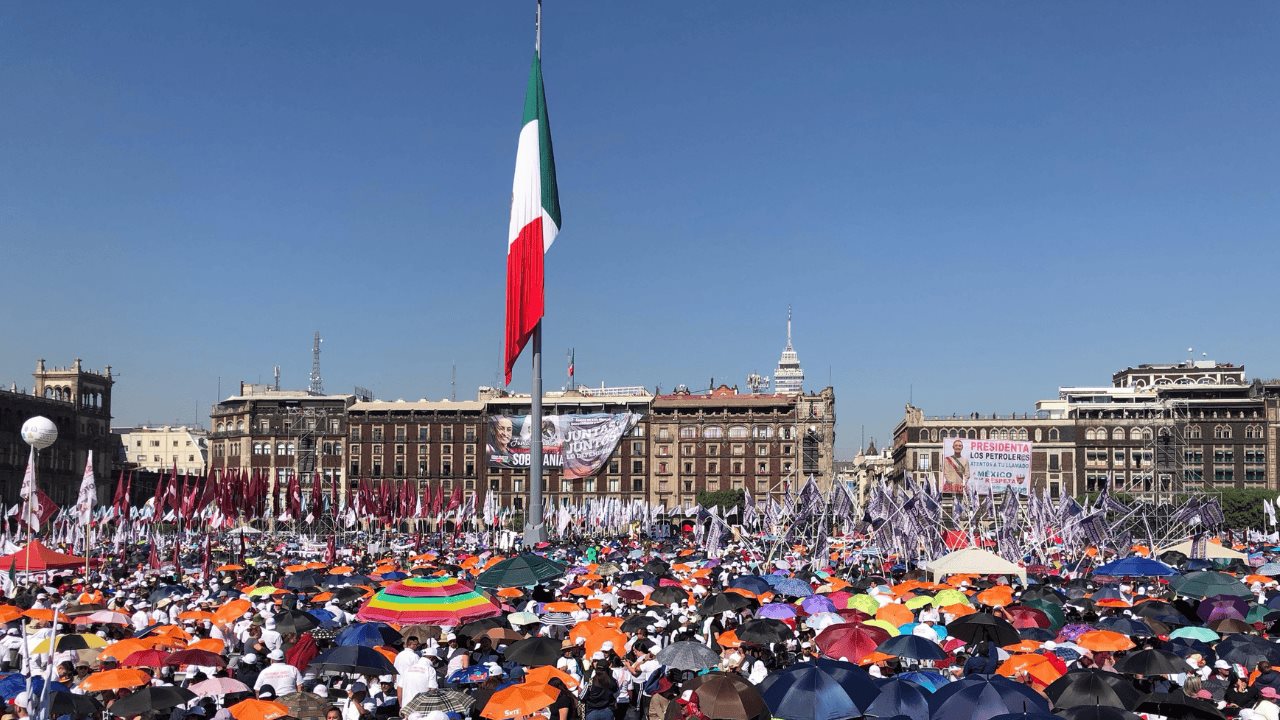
<point x="577" y="444"/>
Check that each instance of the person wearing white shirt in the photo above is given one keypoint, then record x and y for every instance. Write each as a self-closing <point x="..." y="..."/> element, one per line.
<point x="270" y="637"/>
<point x="140" y="618"/>
<point x="406" y="658"/>
<point x="419" y="678"/>
<point x="281" y="676"/>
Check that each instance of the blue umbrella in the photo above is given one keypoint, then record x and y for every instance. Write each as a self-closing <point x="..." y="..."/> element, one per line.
<point x="793" y="587"/>
<point x="751" y="583"/>
<point x="777" y="611"/>
<point x="910" y="627"/>
<point x="926" y="679"/>
<point x="899" y="697"/>
<point x="395" y="575"/>
<point x="815" y="604"/>
<point x="910" y="646"/>
<point x="367" y="634"/>
<point x="1135" y="567"/>
<point x="324" y="617"/>
<point x="1272" y="569"/>
<point x="1125" y="626"/>
<point x="855" y="681"/>
<point x="472" y="675"/>
<point x="982" y="697"/>
<point x="807" y="692"/>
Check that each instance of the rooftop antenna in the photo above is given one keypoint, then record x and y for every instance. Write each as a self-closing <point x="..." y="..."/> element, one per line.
<point x="788" y="327"/>
<point x="757" y="382"/>
<point x="453" y="383"/>
<point x="276" y="372"/>
<point x="317" y="383"/>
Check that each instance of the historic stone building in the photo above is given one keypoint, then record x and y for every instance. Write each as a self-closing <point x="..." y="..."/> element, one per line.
<point x="1156" y="430"/>
<point x="78" y="401"/>
<point x="279" y="432"/>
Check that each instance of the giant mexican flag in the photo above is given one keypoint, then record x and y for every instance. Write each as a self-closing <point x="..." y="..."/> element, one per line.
<point x="535" y="219"/>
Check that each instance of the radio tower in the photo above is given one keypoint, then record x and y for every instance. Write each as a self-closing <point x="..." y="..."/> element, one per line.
<point x="317" y="384"/>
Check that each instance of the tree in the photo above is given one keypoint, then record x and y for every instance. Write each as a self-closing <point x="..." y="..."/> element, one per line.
<point x="1242" y="507"/>
<point x="724" y="499"/>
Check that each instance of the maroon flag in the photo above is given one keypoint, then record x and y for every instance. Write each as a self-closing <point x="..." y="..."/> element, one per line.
<point x="295" y="496"/>
<point x="43" y="508"/>
<point x="331" y="551"/>
<point x="117" y="498"/>
<point x="126" y="502"/>
<point x="333" y="496"/>
<point x="455" y="500"/>
<point x="437" y="500"/>
<point x="317" y="498"/>
<point x="424" y="505"/>
<point x="158" y="501"/>
<point x="206" y="565"/>
<point x="153" y="559"/>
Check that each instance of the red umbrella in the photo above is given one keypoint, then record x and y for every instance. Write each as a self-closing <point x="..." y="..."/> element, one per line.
<point x="852" y="641"/>
<point x="852" y="615"/>
<point x="195" y="657"/>
<point x="1023" y="617"/>
<point x="145" y="658"/>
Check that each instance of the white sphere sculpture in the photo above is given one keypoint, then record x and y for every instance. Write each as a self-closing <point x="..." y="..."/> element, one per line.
<point x="39" y="432"/>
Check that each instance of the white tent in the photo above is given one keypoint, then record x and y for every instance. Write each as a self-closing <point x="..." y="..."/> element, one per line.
<point x="1212" y="551"/>
<point x="974" y="561"/>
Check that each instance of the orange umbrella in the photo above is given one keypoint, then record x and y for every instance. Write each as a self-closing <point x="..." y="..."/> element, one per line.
<point x="518" y="701"/>
<point x="125" y="648"/>
<point x="594" y="604"/>
<point x="9" y="613"/>
<point x="342" y="570"/>
<point x="1104" y="641"/>
<point x="873" y="658"/>
<point x="386" y="652"/>
<point x="213" y="645"/>
<point x="541" y="675"/>
<point x="566" y="607"/>
<point x="998" y="596"/>
<point x="1023" y="646"/>
<point x="729" y="638"/>
<point x="254" y="709"/>
<point x="115" y="680"/>
<point x="510" y="592"/>
<point x="40" y="614"/>
<point x="323" y="597"/>
<point x="294" y="568"/>
<point x="598" y="639"/>
<point x="1112" y="603"/>
<point x="1037" y="666"/>
<point x="741" y="591"/>
<point x="196" y="615"/>
<point x="896" y="615"/>
<point x="230" y="612"/>
<point x="959" y="610"/>
<point x="582" y="591"/>
<point x="229" y="568"/>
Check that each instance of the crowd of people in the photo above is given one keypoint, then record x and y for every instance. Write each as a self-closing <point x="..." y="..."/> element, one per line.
<point x="630" y="629"/>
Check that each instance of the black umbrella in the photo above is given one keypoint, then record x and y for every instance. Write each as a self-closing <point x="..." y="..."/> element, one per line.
<point x="1161" y="612"/>
<point x="1247" y="650"/>
<point x="1040" y="592"/>
<point x="1096" y="712"/>
<point x="167" y="591"/>
<point x="348" y="594"/>
<point x="534" y="651"/>
<point x="295" y="621"/>
<point x="336" y="581"/>
<point x="1125" y="626"/>
<point x="353" y="659"/>
<point x="1176" y="705"/>
<point x="722" y="602"/>
<point x="914" y="647"/>
<point x="65" y="703"/>
<point x="979" y="627"/>
<point x="1037" y="634"/>
<point x="151" y="699"/>
<point x="304" y="580"/>
<point x="657" y="567"/>
<point x="688" y="655"/>
<point x="1152" y="662"/>
<point x="637" y="622"/>
<point x="476" y="628"/>
<point x="763" y="631"/>
<point x="1093" y="687"/>
<point x="668" y="594"/>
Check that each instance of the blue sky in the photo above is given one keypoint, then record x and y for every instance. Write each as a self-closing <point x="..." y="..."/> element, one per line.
<point x="967" y="203"/>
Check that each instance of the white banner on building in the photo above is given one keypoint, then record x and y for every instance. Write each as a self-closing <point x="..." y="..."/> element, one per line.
<point x="998" y="465"/>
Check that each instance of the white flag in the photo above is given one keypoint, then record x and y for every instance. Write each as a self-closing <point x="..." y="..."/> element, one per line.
<point x="88" y="493"/>
<point x="29" y="494"/>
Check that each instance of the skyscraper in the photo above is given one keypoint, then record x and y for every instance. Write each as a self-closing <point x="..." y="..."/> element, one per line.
<point x="789" y="377"/>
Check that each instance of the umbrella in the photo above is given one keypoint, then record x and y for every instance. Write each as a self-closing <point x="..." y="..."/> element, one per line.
<point x="1026" y="616"/>
<point x="1173" y="557"/>
<point x="523" y="570"/>
<point x="521" y="618"/>
<point x="1093" y="687"/>
<point x="518" y="700"/>
<point x="1227" y="626"/>
<point x="1135" y="567"/>
<point x="1044" y="669"/>
<point x="1207" y="583"/>
<point x="151" y="699"/>
<point x="1096" y="712"/>
<point x="778" y="611"/>
<point x="534" y="651"/>
<point x="448" y="701"/>
<point x="203" y="658"/>
<point x="437" y="600"/>
<point x="66" y="703"/>
<point x="167" y="591"/>
<point x="220" y="686"/>
<point x="353" y="659"/>
<point x="850" y="640"/>
<point x="912" y="646"/>
<point x="855" y="681"/>
<point x="980" y="627"/>
<point x="369" y="634"/>
<point x="1043" y="592"/>
<point x="638" y="622"/>
<point x="815" y="604"/>
<point x="472" y="675"/>
<point x="542" y="675"/>
<point x="668" y="595"/>
<point x="1161" y="612"/>
<point x="688" y="655"/>
<point x="1222" y="606"/>
<point x="255" y="709"/>
<point x="1125" y="626"/>
<point x="724" y="696"/>
<point x="900" y="697"/>
<point x="1248" y="650"/>
<point x="1103" y="641"/>
<point x="927" y="680"/>
<point x="793" y="587"/>
<point x="1177" y="705"/>
<point x="305" y="705"/>
<point x="722" y="602"/>
<point x="1152" y="662"/>
<point x="295" y="621"/>
<point x="1194" y="632"/>
<point x="302" y="581"/>
<point x="477" y="628"/>
<point x="981" y="697"/>
<point x="145" y="658"/>
<point x="753" y="583"/>
<point x="83" y="641"/>
<point x="807" y="692"/>
<point x="115" y="680"/>
<point x="763" y="631"/>
<point x="824" y="620"/>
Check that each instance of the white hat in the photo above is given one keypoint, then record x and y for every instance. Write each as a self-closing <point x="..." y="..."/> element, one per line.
<point x="249" y="658"/>
<point x="606" y="646"/>
<point x="1049" y="645"/>
<point x="494" y="670"/>
<point x="320" y="690"/>
<point x="275" y="655"/>
<point x="1221" y="665"/>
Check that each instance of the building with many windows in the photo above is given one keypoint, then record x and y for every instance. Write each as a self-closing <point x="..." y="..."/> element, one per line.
<point x="78" y="401"/>
<point x="1156" y="430"/>
<point x="163" y="448"/>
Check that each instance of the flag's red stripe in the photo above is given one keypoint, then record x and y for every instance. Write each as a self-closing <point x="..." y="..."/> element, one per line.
<point x="524" y="290"/>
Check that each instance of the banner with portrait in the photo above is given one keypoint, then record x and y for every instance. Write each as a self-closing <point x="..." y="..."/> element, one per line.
<point x="998" y="465"/>
<point x="579" y="445"/>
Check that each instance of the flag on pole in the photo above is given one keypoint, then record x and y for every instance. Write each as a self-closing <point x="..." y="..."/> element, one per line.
<point x="535" y="220"/>
<point x="27" y="491"/>
<point x="88" y="493"/>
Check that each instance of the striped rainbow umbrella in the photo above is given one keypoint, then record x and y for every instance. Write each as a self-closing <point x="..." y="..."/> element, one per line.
<point x="433" y="601"/>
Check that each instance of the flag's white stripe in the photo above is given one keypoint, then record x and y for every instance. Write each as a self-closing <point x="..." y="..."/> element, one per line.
<point x="526" y="189"/>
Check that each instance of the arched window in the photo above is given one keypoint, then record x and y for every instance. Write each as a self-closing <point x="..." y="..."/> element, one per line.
<point x="1146" y="434"/>
<point x="337" y="448"/>
<point x="738" y="431"/>
<point x="1088" y="435"/>
<point x="290" y="449"/>
<point x="1053" y="434"/>
<point x="924" y="435"/>
<point x="222" y="426"/>
<point x="1222" y="432"/>
<point x="239" y="426"/>
<point x="1193" y="432"/>
<point x="713" y="431"/>
<point x="1117" y="434"/>
<point x="279" y="448"/>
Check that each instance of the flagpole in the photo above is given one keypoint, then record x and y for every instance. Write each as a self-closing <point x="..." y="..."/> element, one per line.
<point x="533" y="525"/>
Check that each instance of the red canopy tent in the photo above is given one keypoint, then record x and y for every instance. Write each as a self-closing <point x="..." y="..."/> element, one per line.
<point x="42" y="558"/>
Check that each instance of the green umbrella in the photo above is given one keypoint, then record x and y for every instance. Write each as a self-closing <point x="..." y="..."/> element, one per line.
<point x="523" y="570"/>
<point x="918" y="602"/>
<point x="864" y="603"/>
<point x="884" y="625"/>
<point x="950" y="597"/>
<point x="1207" y="583"/>
<point x="1056" y="617"/>
<point x="1257" y="613"/>
<point x="1193" y="632"/>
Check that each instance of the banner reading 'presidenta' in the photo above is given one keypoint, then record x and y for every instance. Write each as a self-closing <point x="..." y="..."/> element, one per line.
<point x="980" y="464"/>
<point x="577" y="444"/>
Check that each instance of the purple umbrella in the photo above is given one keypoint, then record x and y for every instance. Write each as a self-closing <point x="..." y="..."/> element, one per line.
<point x="1072" y="632"/>
<point x="777" y="611"/>
<point x="815" y="604"/>
<point x="1222" y="606"/>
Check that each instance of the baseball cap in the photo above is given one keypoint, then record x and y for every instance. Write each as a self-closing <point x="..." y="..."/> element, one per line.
<point x="1221" y="665"/>
<point x="275" y="655"/>
<point x="359" y="687"/>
